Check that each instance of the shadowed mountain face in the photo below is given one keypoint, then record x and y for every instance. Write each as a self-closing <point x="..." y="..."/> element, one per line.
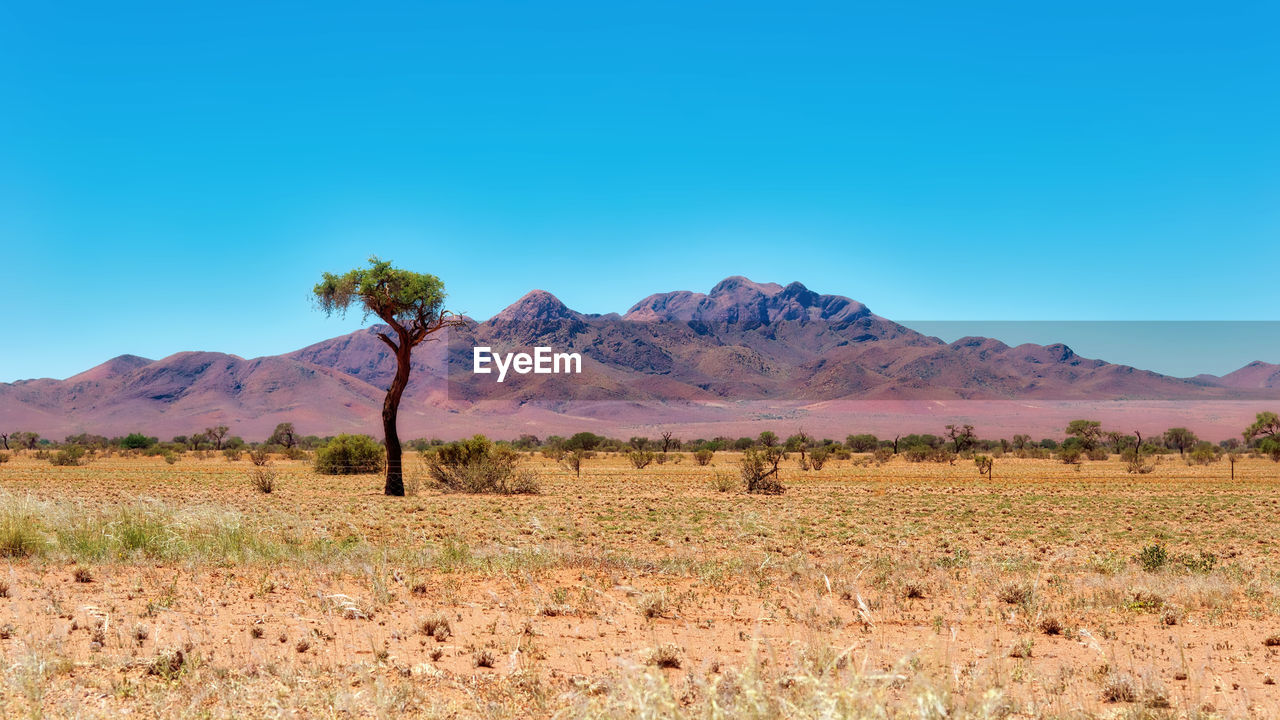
<point x="742" y="341"/>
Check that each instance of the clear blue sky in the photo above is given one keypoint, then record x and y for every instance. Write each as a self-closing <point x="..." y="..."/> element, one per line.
<point x="174" y="177"/>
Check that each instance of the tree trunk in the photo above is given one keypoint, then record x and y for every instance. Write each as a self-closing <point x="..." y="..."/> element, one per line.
<point x="395" y="469"/>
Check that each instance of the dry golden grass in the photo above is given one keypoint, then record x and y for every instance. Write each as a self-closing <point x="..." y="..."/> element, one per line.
<point x="896" y="591"/>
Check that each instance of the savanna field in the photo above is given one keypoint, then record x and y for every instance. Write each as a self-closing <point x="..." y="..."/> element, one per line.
<point x="903" y="590"/>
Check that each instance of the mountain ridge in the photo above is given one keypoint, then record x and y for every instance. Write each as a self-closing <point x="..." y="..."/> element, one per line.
<point x="674" y="353"/>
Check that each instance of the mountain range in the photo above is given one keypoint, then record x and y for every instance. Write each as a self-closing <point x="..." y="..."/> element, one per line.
<point x="741" y="356"/>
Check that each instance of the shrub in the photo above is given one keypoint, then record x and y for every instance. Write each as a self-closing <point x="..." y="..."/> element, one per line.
<point x="478" y="466"/>
<point x="702" y="457"/>
<point x="1203" y="454"/>
<point x="1202" y="563"/>
<point x="666" y="655"/>
<point x="69" y="456"/>
<point x="818" y="458"/>
<point x="167" y="664"/>
<point x="259" y="456"/>
<point x="1119" y="688"/>
<point x="4" y="458"/>
<point x="1022" y="649"/>
<point x="136" y="441"/>
<point x="941" y="455"/>
<point x="20" y="535"/>
<point x="1153" y="557"/>
<point x="584" y="441"/>
<point x="1015" y="593"/>
<point x="1098" y="454"/>
<point x="1135" y="462"/>
<point x="350" y="455"/>
<point x="883" y="455"/>
<point x="985" y="464"/>
<point x="721" y="482"/>
<point x="1071" y="455"/>
<point x="655" y="605"/>
<point x="917" y="453"/>
<point x="263" y="479"/>
<point x="484" y="657"/>
<point x="232" y="454"/>
<point x="436" y="626"/>
<point x="760" y="470"/>
<point x="861" y="443"/>
<point x="640" y="458"/>
<point x="1051" y="625"/>
<point x="573" y="462"/>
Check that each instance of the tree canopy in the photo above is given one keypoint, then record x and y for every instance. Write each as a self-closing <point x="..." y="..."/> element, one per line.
<point x="410" y="302"/>
<point x="1267" y="423"/>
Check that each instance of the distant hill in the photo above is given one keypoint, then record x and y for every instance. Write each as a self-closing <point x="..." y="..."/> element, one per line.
<point x="698" y="360"/>
<point x="1257" y="375"/>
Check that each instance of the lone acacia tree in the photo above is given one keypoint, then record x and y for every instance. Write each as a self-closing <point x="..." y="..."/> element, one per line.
<point x="412" y="304"/>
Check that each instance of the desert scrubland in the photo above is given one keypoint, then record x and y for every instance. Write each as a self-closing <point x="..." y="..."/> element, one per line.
<point x="131" y="585"/>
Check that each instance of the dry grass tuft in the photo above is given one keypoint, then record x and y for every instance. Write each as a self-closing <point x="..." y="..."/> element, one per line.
<point x="1015" y="593"/>
<point x="1051" y="625"/>
<point x="168" y="664"/>
<point x="436" y="625"/>
<point x="654" y="605"/>
<point x="666" y="655"/>
<point x="1119" y="688"/>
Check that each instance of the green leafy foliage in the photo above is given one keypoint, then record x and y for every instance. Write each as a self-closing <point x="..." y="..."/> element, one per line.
<point x="380" y="289"/>
<point x="1153" y="557"/>
<point x="1266" y="423"/>
<point x="861" y="443"/>
<point x="349" y="455"/>
<point x="137" y="441"/>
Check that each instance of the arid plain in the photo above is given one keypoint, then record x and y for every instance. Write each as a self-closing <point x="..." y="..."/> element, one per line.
<point x="894" y="590"/>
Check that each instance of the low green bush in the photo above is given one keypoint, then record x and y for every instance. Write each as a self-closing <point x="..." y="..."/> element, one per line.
<point x="350" y="455"/>
<point x="69" y="456"/>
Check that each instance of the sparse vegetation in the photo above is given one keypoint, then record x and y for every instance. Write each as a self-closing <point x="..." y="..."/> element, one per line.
<point x="836" y="563"/>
